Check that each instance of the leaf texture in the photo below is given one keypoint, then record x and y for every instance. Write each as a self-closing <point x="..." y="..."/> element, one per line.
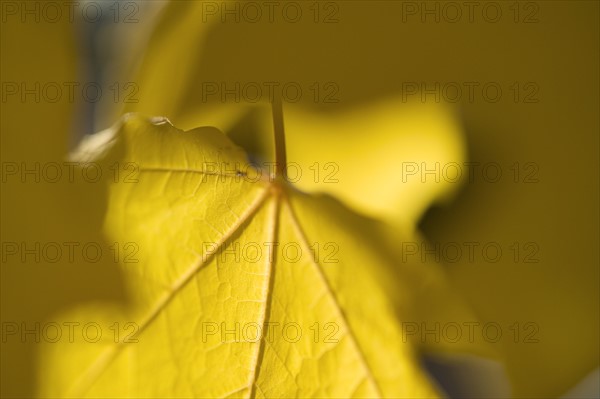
<point x="245" y="287"/>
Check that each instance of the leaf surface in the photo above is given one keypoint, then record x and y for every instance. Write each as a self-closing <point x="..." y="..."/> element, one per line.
<point x="244" y="287"/>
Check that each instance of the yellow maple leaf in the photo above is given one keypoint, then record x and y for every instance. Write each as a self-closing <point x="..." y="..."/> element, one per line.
<point x="238" y="276"/>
